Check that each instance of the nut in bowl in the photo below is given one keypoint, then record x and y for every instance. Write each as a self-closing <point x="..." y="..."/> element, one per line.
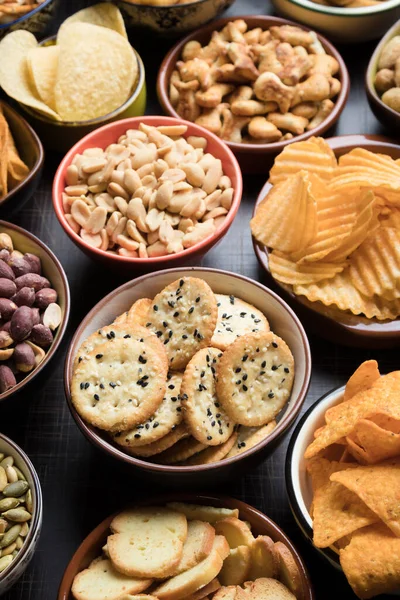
<point x="256" y="82"/>
<point x="26" y="14"/>
<point x="183" y="426"/>
<point x="147" y="190"/>
<point x="220" y="548"/>
<point x="342" y="475"/>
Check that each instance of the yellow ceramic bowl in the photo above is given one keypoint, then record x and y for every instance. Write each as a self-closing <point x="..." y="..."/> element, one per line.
<point x="343" y="25"/>
<point x="60" y="136"/>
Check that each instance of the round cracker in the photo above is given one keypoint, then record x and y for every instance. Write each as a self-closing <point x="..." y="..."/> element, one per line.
<point x="137" y="314"/>
<point x="168" y="415"/>
<point x="213" y="453"/>
<point x="248" y="437"/>
<point x="183" y="315"/>
<point x="205" y="417"/>
<point x="255" y="378"/>
<point x="181" y="451"/>
<point x="235" y="318"/>
<point x="178" y="433"/>
<point x="120" y="383"/>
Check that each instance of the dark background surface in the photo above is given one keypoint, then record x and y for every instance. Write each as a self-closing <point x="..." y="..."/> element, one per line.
<point x="81" y="486"/>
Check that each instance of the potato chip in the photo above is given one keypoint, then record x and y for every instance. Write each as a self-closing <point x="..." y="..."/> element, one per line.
<point x="362" y="379"/>
<point x="42" y="64"/>
<point x="14" y="74"/>
<point x="361" y="157"/>
<point x="105" y="14"/>
<point x="287" y="271"/>
<point x="371" y="561"/>
<point x="375" y="265"/>
<point x="378" y="486"/>
<point x="377" y="444"/>
<point x="347" y="180"/>
<point x="313" y="155"/>
<point x="97" y="68"/>
<point x="391" y="219"/>
<point x="287" y="218"/>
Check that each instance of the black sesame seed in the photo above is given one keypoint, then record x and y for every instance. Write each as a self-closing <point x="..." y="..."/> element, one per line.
<point x="170" y="333"/>
<point x="262" y="372"/>
<point x="239" y="381"/>
<point x="184" y="337"/>
<point x="179" y="409"/>
<point x="195" y="333"/>
<point x="218" y="304"/>
<point x="184" y="396"/>
<point x="159" y="334"/>
<point x="155" y="307"/>
<point x="102" y="386"/>
<point x="142" y="360"/>
<point x="191" y="309"/>
<point x="166" y="341"/>
<point x="176" y="314"/>
<point x="165" y="324"/>
<point x="218" y="415"/>
<point x="202" y="374"/>
<point x="257" y="320"/>
<point x="245" y="388"/>
<point x="147" y="426"/>
<point x="179" y="298"/>
<point x="243" y="314"/>
<point x="80" y="359"/>
<point x="208" y="358"/>
<point x="257" y="349"/>
<point x="155" y="424"/>
<point x="263" y="364"/>
<point x="220" y="431"/>
<point x="181" y="283"/>
<point x="213" y="423"/>
<point x="86" y="385"/>
<point x="113" y="385"/>
<point x="271" y="395"/>
<point x="224" y="315"/>
<point x="217" y="404"/>
<point x="286" y="369"/>
<point x="244" y="357"/>
<point x="82" y="386"/>
<point x="209" y="413"/>
<point x="112" y="333"/>
<point x="96" y="397"/>
<point x="232" y="299"/>
<point x="145" y="383"/>
<point x="209" y="437"/>
<point x="275" y="345"/>
<point x="126" y="336"/>
<point x="274" y="367"/>
<point x="137" y="435"/>
<point x="245" y="377"/>
<point x="197" y="299"/>
<point x="98" y="356"/>
<point x="171" y="303"/>
<point x="237" y="370"/>
<point x="174" y="398"/>
<point x="148" y="324"/>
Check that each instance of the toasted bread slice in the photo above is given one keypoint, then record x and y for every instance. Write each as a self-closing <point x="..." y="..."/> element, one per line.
<point x="147" y="540"/>
<point x="100" y="581"/>
<point x="264" y="589"/>
<point x="289" y="572"/>
<point x="264" y="558"/>
<point x="203" y="513"/>
<point x="236" y="567"/>
<point x="236" y="532"/>
<point x="198" y="545"/>
<point x="204" y="591"/>
<point x="138" y="597"/>
<point x="192" y="580"/>
<point x="226" y="593"/>
<point x="222" y="546"/>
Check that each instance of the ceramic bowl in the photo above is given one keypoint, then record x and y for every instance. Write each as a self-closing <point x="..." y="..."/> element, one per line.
<point x="171" y="20"/>
<point x="298" y="483"/>
<point x="14" y="571"/>
<point x="109" y="134"/>
<point x="59" y="136"/>
<point x="342" y="25"/>
<point x="36" y="21"/>
<point x="383" y="113"/>
<point x="31" y="151"/>
<point x="24" y="241"/>
<point x="253" y="158"/>
<point x="260" y="525"/>
<point x="282" y="321"/>
<point x="333" y="324"/>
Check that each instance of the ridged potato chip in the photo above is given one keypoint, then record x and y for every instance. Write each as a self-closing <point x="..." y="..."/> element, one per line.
<point x="360" y="157"/>
<point x="289" y="272"/>
<point x="105" y="14"/>
<point x="390" y="219"/>
<point x="42" y="64"/>
<point x="287" y="218"/>
<point x="313" y="155"/>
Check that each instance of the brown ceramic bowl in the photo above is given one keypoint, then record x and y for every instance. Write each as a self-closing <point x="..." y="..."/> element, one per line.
<point x="31" y="151"/>
<point x="260" y="525"/>
<point x="24" y="241"/>
<point x="334" y="324"/>
<point x="383" y="113"/>
<point x="283" y="322"/>
<point x="253" y="158"/>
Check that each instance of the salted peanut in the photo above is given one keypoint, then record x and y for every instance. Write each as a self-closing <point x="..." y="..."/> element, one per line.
<point x="134" y="232"/>
<point x="213" y="200"/>
<point x="199" y="214"/>
<point x="269" y="88"/>
<point x="153" y="237"/>
<point x="174" y="175"/>
<point x="93" y="240"/>
<point x="325" y="64"/>
<point x="127" y="253"/>
<point x="91" y="164"/>
<point x="212" y="97"/>
<point x="225" y="182"/>
<point x="250" y="108"/>
<point x="142" y="251"/>
<point x="215" y="213"/>
<point x="137" y="212"/>
<point x="106" y="201"/>
<point x="390" y="53"/>
<point x="233" y="126"/>
<point x="67" y="201"/>
<point x="182" y="186"/>
<point x="199" y="233"/>
<point x="313" y="89"/>
<point x="114" y="189"/>
<point x="212" y="177"/>
<point x="288" y="122"/>
<point x="194" y="173"/>
<point x="145" y="171"/>
<point x="186" y="225"/>
<point x="325" y="109"/>
<point x="117" y="177"/>
<point x="98" y="188"/>
<point x="226" y="198"/>
<point x="308" y="110"/>
<point x="392" y="99"/>
<point x="126" y="243"/>
<point x="293" y="35"/>
<point x="105" y="240"/>
<point x="191" y="207"/>
<point x="164" y="194"/>
<point x="260" y="128"/>
<point x="80" y="212"/>
<point x="160" y="166"/>
<point x="96" y="221"/>
<point x="154" y="219"/>
<point x="197" y="141"/>
<point x="72" y="223"/>
<point x="72" y="175"/>
<point x="187" y="106"/>
<point x="191" y="50"/>
<point x="119" y="229"/>
<point x="384" y="80"/>
<point x="124" y="165"/>
<point x="156" y="249"/>
<point x="174" y="244"/>
<point x="121" y="204"/>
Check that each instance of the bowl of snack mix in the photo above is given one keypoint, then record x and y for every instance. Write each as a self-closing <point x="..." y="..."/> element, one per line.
<point x="33" y="15"/>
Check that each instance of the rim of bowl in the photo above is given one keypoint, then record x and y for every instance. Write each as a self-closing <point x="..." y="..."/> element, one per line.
<point x="63" y="325"/>
<point x="187" y="252"/>
<point x="346" y="12"/>
<point x="166" y="7"/>
<point x="382" y="329"/>
<point x="98" y="120"/>
<point x="26" y="15"/>
<point x="40" y="152"/>
<point x="297" y="511"/>
<point x="221" y="501"/>
<point x="37" y="517"/>
<point x="257" y="20"/>
<point x="283" y="425"/>
<point x="372" y="68"/>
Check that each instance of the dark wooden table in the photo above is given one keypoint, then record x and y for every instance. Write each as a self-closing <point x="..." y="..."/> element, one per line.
<point x="80" y="485"/>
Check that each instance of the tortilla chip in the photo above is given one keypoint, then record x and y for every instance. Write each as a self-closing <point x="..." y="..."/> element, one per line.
<point x="371" y="561"/>
<point x="362" y="379"/>
<point x="378" y="486"/>
<point x="386" y="422"/>
<point x="377" y="444"/>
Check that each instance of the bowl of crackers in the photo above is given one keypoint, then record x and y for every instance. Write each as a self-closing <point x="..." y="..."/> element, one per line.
<point x="201" y="547"/>
<point x="63" y="83"/>
<point x="342" y="477"/>
<point x="32" y="15"/>
<point x="208" y="371"/>
<point x="335" y="258"/>
<point x="257" y="82"/>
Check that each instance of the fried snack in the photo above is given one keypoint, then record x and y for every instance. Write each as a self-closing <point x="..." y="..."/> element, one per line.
<point x="10" y="10"/>
<point x="12" y="169"/>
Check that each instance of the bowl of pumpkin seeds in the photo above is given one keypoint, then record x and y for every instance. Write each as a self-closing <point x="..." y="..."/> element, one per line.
<point x="20" y="512"/>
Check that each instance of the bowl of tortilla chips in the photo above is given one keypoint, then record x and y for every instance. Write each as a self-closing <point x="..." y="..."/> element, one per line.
<point x="343" y="479"/>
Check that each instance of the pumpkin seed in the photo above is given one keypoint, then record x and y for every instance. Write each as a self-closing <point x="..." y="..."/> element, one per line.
<point x="14" y="554"/>
<point x="11" y="473"/>
<point x="3" y="479"/>
<point x="29" y="501"/>
<point x="16" y="489"/>
<point x="3" y="526"/>
<point x="8" y="503"/>
<point x="20" y="474"/>
<point x="8" y="460"/>
<point x="2" y="455"/>
<point x="19" y="542"/>
<point x="24" y="530"/>
<point x="9" y="549"/>
<point x="10" y="536"/>
<point x="17" y="515"/>
<point x="5" y="561"/>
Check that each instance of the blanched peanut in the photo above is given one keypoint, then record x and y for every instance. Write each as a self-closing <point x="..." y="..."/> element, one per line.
<point x="91" y="239"/>
<point x="213" y="200"/>
<point x="96" y="221"/>
<point x="197" y="142"/>
<point x="131" y="181"/>
<point x="156" y="249"/>
<point x="80" y="212"/>
<point x="114" y="189"/>
<point x="216" y="212"/>
<point x="164" y="194"/>
<point x="194" y="174"/>
<point x="225" y="182"/>
<point x="134" y="232"/>
<point x="72" y="223"/>
<point x="137" y="212"/>
<point x="121" y="204"/>
<point x="199" y="233"/>
<point x="226" y="198"/>
<point x="126" y="243"/>
<point x="154" y="219"/>
<point x="72" y="175"/>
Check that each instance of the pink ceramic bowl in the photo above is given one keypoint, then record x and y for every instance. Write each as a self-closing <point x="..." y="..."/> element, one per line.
<point x="109" y="134"/>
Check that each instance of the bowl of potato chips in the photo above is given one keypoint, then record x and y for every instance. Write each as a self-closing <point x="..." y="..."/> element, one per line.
<point x="343" y="479"/>
<point x="33" y="15"/>
<point x="326" y="229"/>
<point x="86" y="76"/>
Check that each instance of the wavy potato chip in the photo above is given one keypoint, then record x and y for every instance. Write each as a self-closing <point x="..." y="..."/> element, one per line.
<point x="105" y="14"/>
<point x="390" y="218"/>
<point x="362" y="379"/>
<point x="361" y="157"/>
<point x="287" y="271"/>
<point x="374" y="444"/>
<point x="313" y="155"/>
<point x="97" y="68"/>
<point x="42" y="64"/>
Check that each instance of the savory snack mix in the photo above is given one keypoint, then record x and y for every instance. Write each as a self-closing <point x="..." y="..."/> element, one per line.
<point x="354" y="467"/>
<point x="188" y="551"/>
<point x="333" y="226"/>
<point x="157" y="383"/>
<point x="154" y="192"/>
<point x="255" y="86"/>
<point x="387" y="78"/>
<point x="12" y="9"/>
<point x="13" y="170"/>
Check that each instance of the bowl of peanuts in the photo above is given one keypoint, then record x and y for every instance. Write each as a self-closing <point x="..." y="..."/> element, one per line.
<point x="147" y="191"/>
<point x="257" y="82"/>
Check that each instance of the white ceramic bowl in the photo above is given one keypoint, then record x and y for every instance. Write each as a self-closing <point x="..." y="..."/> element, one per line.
<point x="343" y="25"/>
<point x="14" y="571"/>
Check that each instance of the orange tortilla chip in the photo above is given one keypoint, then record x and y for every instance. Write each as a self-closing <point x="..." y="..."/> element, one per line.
<point x="377" y="444"/>
<point x="362" y="379"/>
<point x="371" y="561"/>
<point x="378" y="486"/>
<point x="386" y="422"/>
